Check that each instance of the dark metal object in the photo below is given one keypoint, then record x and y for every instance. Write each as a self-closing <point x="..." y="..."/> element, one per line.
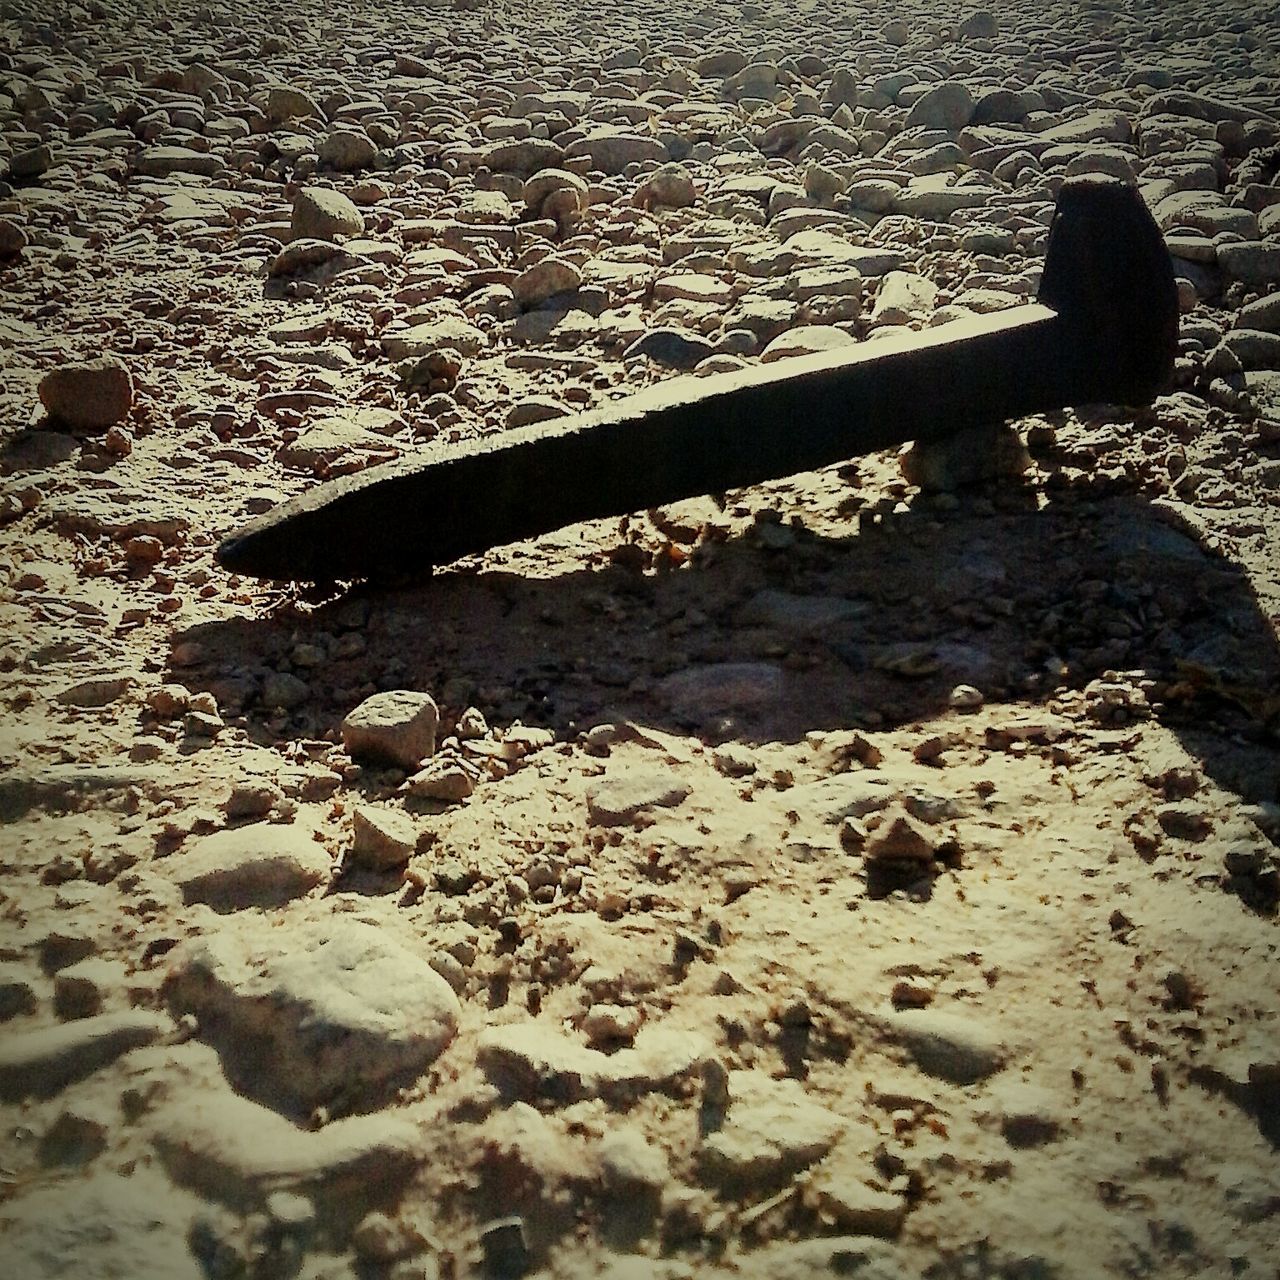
<point x="1104" y="329"/>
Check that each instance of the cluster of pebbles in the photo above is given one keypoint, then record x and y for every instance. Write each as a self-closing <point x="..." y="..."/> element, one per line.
<point x="874" y="873"/>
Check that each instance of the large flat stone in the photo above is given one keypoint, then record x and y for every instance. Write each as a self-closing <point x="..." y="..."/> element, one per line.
<point x="332" y="1012"/>
<point x="41" y="1063"/>
<point x="259" y="865"/>
<point x="237" y="1152"/>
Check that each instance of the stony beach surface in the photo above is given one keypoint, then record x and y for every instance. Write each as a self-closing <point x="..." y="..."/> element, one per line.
<point x="873" y="873"/>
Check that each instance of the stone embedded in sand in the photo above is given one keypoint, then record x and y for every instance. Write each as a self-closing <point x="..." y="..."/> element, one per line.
<point x="900" y="838"/>
<point x="82" y="989"/>
<point x="259" y="865"/>
<point x="102" y="1225"/>
<point x="382" y="839"/>
<point x="722" y="687"/>
<point x="397" y="727"/>
<point x="89" y="396"/>
<point x="236" y="1151"/>
<point x="530" y="1060"/>
<point x="333" y="1012"/>
<point x="41" y="1063"/>
<point x="950" y="1046"/>
<point x="772" y="1130"/>
<point x="624" y="796"/>
<point x="322" y="214"/>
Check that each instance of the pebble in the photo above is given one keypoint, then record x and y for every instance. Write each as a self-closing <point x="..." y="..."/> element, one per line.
<point x="397" y="727"/>
<point x="89" y="396"/>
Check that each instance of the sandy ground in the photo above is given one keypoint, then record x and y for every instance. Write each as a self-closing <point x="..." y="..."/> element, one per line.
<point x="837" y="877"/>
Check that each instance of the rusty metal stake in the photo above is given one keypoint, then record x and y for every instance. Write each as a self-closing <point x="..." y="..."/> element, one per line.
<point x="1103" y="329"/>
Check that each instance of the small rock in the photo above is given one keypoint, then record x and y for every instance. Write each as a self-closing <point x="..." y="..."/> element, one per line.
<point x="74" y="1138"/>
<point x="13" y="239"/>
<point x="964" y="697"/>
<point x="947" y="106"/>
<point x="628" y="1162"/>
<point x="347" y="150"/>
<point x="948" y="1045"/>
<point x="287" y="103"/>
<point x="672" y="347"/>
<point x="333" y="1012"/>
<point x="545" y="279"/>
<point x="397" y="728"/>
<point x="260" y="865"/>
<point x="41" y="1063"/>
<point x="900" y="837"/>
<point x="82" y="989"/>
<point x="322" y="214"/>
<point x="506" y="1251"/>
<point x="380" y="1238"/>
<point x="623" y="797"/>
<point x="609" y="1023"/>
<point x="807" y="340"/>
<point x="533" y="409"/>
<point x="446" y="780"/>
<point x="91" y="396"/>
<point x="772" y="1130"/>
<point x="381" y="839"/>
<point x="672" y="185"/>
